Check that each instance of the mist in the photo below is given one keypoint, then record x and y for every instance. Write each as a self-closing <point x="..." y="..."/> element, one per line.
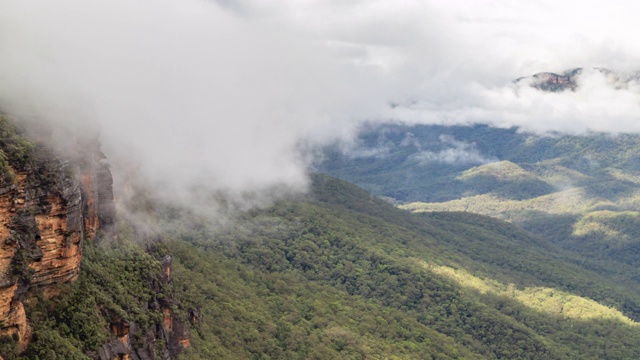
<point x="456" y="153"/>
<point x="201" y="97"/>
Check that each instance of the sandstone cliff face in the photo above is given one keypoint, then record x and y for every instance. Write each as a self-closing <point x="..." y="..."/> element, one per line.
<point x="49" y="205"/>
<point x="97" y="186"/>
<point x="44" y="212"/>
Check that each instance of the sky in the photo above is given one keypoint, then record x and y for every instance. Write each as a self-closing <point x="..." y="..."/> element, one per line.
<point x="229" y="96"/>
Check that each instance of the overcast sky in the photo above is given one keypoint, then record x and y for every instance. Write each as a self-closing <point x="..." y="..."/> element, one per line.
<point x="226" y="93"/>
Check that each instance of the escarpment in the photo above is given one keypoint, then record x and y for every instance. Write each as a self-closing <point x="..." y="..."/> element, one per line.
<point x="97" y="185"/>
<point x="45" y="213"/>
<point x="57" y="225"/>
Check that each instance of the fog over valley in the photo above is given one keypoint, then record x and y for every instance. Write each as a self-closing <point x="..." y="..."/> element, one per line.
<point x="319" y="179"/>
<point x="231" y="95"/>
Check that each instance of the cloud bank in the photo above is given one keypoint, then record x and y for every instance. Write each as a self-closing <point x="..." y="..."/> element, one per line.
<point x="224" y="95"/>
<point x="193" y="94"/>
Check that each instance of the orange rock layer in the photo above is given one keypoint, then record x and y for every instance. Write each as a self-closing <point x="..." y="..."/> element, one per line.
<point x="42" y="225"/>
<point x="12" y="316"/>
<point x="61" y="248"/>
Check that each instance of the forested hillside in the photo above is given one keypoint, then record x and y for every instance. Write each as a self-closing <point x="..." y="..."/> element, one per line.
<point x="580" y="192"/>
<point x="341" y="274"/>
<point x="337" y="273"/>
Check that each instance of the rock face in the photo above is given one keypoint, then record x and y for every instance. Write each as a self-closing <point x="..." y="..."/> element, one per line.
<point x="49" y="205"/>
<point x="97" y="186"/>
<point x="45" y="213"/>
<point x="548" y="81"/>
<point x="172" y="332"/>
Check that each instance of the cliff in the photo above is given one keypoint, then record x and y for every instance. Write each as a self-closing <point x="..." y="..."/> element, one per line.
<point x="97" y="185"/>
<point x="45" y="213"/>
<point x="50" y="205"/>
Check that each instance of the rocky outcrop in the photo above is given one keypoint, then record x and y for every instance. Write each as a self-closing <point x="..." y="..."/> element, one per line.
<point x="45" y="213"/>
<point x="97" y="185"/>
<point x="548" y="81"/>
<point x="129" y="342"/>
<point x="125" y="347"/>
<point x="49" y="205"/>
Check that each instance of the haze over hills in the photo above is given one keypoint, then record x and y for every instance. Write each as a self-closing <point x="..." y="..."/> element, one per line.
<point x="337" y="273"/>
<point x="580" y="192"/>
<point x="342" y="274"/>
<point x="210" y="115"/>
<point x="349" y="246"/>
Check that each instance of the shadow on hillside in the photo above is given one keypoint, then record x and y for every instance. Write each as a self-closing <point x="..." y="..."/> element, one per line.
<point x="556" y="228"/>
<point x="615" y="238"/>
<point x="608" y="187"/>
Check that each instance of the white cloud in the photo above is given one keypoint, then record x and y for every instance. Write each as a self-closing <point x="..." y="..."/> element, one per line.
<point x="224" y="93"/>
<point x="193" y="93"/>
<point x="458" y="153"/>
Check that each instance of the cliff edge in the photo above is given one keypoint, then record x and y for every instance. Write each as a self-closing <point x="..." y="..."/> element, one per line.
<point x="45" y="214"/>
